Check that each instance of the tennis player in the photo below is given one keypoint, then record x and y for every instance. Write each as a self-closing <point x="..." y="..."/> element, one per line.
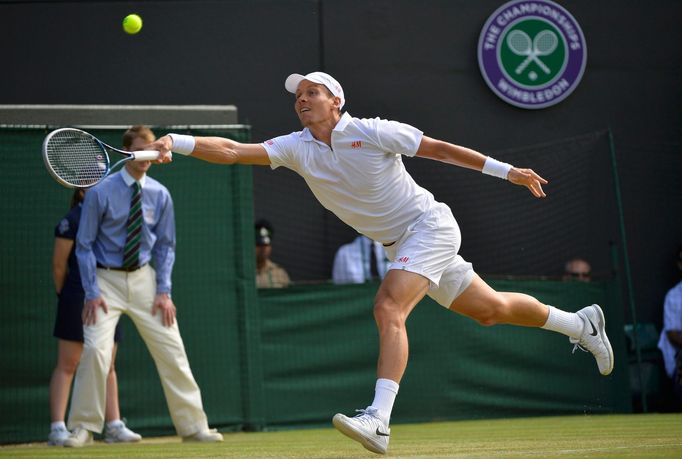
<point x="354" y="168"/>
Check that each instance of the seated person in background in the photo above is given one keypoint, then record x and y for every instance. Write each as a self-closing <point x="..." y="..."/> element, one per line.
<point x="670" y="342"/>
<point x="359" y="261"/>
<point x="268" y="273"/>
<point x="577" y="269"/>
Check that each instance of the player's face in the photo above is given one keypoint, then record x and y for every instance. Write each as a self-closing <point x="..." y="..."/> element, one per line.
<point x="314" y="103"/>
<point x="140" y="167"/>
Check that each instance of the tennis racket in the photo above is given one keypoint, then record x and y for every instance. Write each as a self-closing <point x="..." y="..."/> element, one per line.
<point x="77" y="159"/>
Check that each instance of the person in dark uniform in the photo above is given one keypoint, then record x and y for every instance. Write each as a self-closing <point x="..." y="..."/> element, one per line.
<point x="68" y="329"/>
<point x="268" y="273"/>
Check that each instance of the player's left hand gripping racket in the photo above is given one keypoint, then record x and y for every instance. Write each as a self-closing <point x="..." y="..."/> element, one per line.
<point x="77" y="159"/>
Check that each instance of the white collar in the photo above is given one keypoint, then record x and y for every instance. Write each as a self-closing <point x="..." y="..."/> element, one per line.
<point x="128" y="179"/>
<point x="343" y="122"/>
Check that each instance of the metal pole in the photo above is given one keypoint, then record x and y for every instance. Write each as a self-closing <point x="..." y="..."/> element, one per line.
<point x="628" y="275"/>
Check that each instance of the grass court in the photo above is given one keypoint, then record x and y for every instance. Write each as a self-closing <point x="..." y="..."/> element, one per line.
<point x="636" y="435"/>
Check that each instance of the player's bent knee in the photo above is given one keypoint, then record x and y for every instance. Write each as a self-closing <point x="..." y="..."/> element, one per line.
<point x="386" y="313"/>
<point x="382" y="310"/>
<point x="487" y="322"/>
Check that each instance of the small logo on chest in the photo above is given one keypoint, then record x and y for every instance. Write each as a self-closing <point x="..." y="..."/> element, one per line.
<point x="356" y="144"/>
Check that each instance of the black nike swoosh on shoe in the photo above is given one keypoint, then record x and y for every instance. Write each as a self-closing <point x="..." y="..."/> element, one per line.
<point x="594" y="330"/>
<point x="379" y="432"/>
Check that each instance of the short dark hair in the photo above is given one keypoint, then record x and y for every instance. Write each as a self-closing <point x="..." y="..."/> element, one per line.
<point x="135" y="132"/>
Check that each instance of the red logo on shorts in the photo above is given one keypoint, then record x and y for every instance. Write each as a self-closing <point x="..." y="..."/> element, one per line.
<point x="403" y="260"/>
<point x="356" y="144"/>
<point x="269" y="142"/>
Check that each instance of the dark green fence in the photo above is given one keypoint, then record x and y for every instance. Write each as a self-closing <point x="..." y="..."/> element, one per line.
<point x="320" y="347"/>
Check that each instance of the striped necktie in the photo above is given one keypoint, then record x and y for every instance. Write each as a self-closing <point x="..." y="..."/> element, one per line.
<point x="131" y="251"/>
<point x="373" y="265"/>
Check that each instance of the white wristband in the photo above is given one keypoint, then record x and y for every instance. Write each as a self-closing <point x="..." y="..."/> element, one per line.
<point x="183" y="144"/>
<point x="496" y="168"/>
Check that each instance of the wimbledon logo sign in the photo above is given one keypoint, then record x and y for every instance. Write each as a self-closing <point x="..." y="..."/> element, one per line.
<point x="532" y="54"/>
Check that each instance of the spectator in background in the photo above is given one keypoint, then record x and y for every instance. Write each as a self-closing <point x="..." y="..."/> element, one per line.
<point x="670" y="342"/>
<point x="359" y="261"/>
<point x="577" y="269"/>
<point x="268" y="273"/>
<point x="68" y="329"/>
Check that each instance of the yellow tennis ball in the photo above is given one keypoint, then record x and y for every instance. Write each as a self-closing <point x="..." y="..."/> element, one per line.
<point x="132" y="24"/>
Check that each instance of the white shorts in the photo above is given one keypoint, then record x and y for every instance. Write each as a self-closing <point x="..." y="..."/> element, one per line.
<point x="429" y="248"/>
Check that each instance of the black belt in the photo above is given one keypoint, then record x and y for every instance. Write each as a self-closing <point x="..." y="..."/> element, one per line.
<point x="127" y="270"/>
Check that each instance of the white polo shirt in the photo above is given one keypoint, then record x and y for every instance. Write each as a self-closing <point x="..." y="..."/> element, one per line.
<point x="361" y="179"/>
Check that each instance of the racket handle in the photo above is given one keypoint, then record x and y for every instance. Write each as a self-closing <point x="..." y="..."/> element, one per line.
<point x="145" y="155"/>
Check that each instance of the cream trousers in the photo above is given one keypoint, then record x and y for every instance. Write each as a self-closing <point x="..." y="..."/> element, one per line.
<point x="133" y="294"/>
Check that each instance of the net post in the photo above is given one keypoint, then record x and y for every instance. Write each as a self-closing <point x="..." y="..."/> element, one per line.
<point x="626" y="269"/>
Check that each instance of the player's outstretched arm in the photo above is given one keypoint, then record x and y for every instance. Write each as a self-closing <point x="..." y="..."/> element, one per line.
<point x="471" y="159"/>
<point x="450" y="153"/>
<point x="216" y="150"/>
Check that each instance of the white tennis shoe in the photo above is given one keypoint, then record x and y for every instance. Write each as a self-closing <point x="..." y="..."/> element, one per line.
<point x="79" y="437"/>
<point x="366" y="428"/>
<point x="119" y="433"/>
<point x="594" y="338"/>
<point x="204" y="436"/>
<point x="57" y="436"/>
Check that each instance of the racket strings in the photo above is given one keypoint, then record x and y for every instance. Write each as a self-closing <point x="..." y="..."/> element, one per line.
<point x="545" y="42"/>
<point x="77" y="158"/>
<point x="519" y="42"/>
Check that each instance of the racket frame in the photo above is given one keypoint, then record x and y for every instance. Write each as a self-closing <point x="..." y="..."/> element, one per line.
<point x="141" y="155"/>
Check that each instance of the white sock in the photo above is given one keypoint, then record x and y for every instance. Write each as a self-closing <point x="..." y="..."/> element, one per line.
<point x="568" y="323"/>
<point x="384" y="397"/>
<point x="57" y="425"/>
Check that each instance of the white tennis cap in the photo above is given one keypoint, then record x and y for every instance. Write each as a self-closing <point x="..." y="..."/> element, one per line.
<point x="293" y="80"/>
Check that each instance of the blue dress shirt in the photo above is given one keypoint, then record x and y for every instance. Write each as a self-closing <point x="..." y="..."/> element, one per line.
<point x="102" y="232"/>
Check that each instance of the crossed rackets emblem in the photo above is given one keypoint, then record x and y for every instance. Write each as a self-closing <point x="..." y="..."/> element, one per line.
<point x="544" y="44"/>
